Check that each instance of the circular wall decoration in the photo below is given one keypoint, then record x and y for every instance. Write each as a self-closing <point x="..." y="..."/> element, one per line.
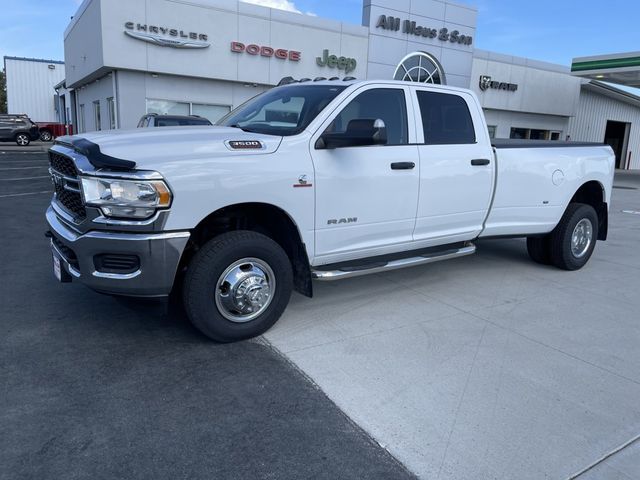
<point x="420" y="67"/>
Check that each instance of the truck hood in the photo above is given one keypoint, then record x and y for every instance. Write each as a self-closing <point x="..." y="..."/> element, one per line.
<point x="149" y="148"/>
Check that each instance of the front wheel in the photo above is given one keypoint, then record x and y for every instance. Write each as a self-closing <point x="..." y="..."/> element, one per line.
<point x="237" y="286"/>
<point x="23" y="139"/>
<point x="574" y="238"/>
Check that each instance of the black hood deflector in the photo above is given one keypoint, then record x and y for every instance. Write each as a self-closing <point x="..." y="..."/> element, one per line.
<point x="96" y="157"/>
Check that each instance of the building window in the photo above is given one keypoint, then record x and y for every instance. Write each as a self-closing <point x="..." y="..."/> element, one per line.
<point x="539" y="134"/>
<point x="492" y="131"/>
<point x="420" y="67"/>
<point x="534" y="134"/>
<point x="167" y="107"/>
<point x="111" y="108"/>
<point x="445" y="119"/>
<point x="213" y="113"/>
<point x="96" y="115"/>
<point x="81" y="119"/>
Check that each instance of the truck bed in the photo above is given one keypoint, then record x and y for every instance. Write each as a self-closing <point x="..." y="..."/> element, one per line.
<point x="501" y="143"/>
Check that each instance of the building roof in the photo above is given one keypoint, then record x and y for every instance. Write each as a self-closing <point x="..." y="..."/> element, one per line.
<point x="613" y="92"/>
<point x="620" y="68"/>
<point x="26" y="59"/>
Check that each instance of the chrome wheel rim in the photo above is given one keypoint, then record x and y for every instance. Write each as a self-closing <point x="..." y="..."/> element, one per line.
<point x="581" y="238"/>
<point x="45" y="137"/>
<point x="245" y="290"/>
<point x="22" y="140"/>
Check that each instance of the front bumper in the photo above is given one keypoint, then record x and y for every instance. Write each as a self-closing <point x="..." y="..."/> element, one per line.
<point x="159" y="255"/>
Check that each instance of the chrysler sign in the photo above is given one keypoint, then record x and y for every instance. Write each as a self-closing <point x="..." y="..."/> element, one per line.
<point x="166" y="36"/>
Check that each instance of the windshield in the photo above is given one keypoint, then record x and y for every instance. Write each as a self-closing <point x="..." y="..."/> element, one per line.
<point x="282" y="111"/>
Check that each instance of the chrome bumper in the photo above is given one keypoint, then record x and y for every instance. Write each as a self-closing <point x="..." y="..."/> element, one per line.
<point x="159" y="255"/>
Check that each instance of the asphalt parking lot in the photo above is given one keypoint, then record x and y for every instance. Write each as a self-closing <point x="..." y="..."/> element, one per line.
<point x="485" y="367"/>
<point x="96" y="387"/>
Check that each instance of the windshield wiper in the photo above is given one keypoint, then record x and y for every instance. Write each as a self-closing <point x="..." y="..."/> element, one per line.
<point x="244" y="129"/>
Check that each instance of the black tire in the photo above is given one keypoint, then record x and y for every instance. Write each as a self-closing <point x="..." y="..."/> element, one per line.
<point x="208" y="265"/>
<point x="46" y="136"/>
<point x="539" y="249"/>
<point x="22" y="139"/>
<point x="560" y="239"/>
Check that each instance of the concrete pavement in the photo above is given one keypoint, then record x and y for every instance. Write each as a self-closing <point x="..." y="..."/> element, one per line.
<point x="488" y="366"/>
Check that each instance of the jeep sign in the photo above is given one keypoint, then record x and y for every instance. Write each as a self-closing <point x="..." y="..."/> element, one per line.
<point x="333" y="61"/>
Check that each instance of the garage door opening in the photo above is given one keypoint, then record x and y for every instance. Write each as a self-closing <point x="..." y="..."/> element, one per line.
<point x="617" y="136"/>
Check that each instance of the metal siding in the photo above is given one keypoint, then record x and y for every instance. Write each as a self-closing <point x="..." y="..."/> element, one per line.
<point x="590" y="122"/>
<point x="30" y="88"/>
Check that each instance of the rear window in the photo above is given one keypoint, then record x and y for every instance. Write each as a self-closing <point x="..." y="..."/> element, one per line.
<point x="445" y="119"/>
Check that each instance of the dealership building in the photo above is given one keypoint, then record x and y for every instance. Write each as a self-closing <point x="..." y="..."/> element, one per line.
<point x="125" y="58"/>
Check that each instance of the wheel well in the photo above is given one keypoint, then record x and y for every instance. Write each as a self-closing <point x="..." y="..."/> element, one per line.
<point x="263" y="218"/>
<point x="592" y="193"/>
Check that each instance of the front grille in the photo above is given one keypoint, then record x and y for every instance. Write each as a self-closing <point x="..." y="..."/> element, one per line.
<point x="69" y="254"/>
<point x="116" y="263"/>
<point x="62" y="164"/>
<point x="66" y="185"/>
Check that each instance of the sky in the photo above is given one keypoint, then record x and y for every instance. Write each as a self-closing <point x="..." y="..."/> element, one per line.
<point x="550" y="30"/>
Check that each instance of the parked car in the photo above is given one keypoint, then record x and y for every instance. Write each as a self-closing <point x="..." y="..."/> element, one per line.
<point x="18" y="128"/>
<point x="313" y="181"/>
<point x="51" y="130"/>
<point x="155" y="120"/>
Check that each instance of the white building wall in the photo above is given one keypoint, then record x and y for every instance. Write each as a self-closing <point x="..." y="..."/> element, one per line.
<point x="505" y="120"/>
<point x="543" y="88"/>
<point x="97" y="91"/>
<point x="135" y="87"/>
<point x="594" y="111"/>
<point x="30" y="85"/>
<point x="95" y="41"/>
<point x="388" y="47"/>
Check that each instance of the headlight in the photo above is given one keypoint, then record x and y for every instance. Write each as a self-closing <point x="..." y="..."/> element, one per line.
<point x="125" y="198"/>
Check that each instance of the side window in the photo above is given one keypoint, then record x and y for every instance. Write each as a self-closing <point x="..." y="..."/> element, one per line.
<point x="445" y="119"/>
<point x="387" y="104"/>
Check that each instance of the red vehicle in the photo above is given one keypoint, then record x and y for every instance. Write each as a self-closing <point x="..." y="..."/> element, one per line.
<point x="51" y="130"/>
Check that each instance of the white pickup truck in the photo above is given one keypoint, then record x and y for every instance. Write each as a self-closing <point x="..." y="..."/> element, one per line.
<point x="319" y="180"/>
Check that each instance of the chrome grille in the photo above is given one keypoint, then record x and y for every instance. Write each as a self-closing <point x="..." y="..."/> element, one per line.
<point x="66" y="184"/>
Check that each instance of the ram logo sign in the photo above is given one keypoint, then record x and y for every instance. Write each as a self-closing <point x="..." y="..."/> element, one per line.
<point x="486" y="82"/>
<point x="341" y="221"/>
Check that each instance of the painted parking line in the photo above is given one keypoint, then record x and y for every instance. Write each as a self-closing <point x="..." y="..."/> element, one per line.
<point x="23" y="168"/>
<point x="632" y="212"/>
<point x="24" y="194"/>
<point x="22" y="178"/>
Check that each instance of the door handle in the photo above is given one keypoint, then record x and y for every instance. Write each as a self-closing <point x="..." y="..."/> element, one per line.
<point x="479" y="161"/>
<point x="403" y="166"/>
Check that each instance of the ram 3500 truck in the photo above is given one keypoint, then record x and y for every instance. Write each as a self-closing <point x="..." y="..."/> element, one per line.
<point x="313" y="180"/>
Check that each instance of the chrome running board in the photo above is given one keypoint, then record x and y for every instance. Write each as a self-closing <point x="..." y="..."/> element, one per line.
<point x="350" y="272"/>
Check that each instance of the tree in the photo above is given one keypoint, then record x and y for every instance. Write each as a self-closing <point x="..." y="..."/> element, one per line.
<point x="3" y="93"/>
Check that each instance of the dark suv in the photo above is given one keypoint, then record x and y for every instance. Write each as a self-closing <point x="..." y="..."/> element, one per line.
<point x="18" y="128"/>
<point x="155" y="120"/>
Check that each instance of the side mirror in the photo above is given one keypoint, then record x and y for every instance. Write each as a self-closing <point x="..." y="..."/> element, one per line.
<point x="359" y="133"/>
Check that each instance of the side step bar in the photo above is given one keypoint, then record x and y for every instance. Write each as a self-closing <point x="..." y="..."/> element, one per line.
<point x="330" y="275"/>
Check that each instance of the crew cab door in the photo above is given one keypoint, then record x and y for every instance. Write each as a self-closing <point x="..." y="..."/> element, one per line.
<point x="366" y="196"/>
<point x="456" y="166"/>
